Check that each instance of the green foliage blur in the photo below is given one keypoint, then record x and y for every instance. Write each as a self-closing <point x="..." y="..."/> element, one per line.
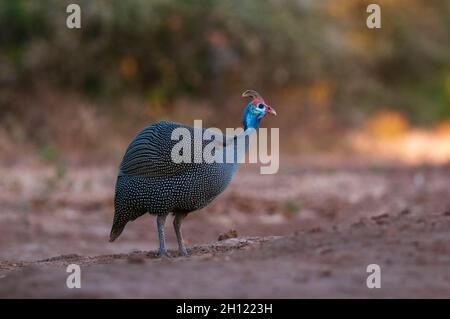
<point x="161" y="50"/>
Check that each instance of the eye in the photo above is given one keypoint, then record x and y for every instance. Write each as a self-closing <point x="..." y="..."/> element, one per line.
<point x="260" y="106"/>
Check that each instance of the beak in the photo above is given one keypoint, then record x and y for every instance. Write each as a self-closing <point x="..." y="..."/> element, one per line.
<point x="270" y="110"/>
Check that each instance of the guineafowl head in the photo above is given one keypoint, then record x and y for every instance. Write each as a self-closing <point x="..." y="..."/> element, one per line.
<point x="256" y="109"/>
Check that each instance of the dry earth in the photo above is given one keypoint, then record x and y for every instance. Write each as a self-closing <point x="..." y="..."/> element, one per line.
<point x="309" y="231"/>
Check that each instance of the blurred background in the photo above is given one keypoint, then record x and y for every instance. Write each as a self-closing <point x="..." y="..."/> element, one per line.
<point x="72" y="99"/>
<point x="81" y="94"/>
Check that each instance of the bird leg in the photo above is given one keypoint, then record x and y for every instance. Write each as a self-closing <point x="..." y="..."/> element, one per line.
<point x="160" y="221"/>
<point x="177" y="226"/>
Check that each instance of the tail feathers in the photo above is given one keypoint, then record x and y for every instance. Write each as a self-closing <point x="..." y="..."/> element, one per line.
<point x="116" y="231"/>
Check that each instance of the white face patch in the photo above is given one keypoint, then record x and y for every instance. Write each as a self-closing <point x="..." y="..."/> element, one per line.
<point x="259" y="109"/>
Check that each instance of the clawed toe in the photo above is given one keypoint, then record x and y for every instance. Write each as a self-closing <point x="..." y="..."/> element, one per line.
<point x="184" y="253"/>
<point x="164" y="254"/>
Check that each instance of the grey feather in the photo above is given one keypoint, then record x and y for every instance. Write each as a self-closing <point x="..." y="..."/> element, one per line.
<point x="150" y="182"/>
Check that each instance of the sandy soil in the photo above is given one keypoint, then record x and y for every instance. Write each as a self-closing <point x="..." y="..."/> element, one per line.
<point x="309" y="231"/>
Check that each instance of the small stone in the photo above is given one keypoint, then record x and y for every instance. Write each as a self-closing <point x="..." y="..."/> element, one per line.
<point x="229" y="234"/>
<point x="379" y="217"/>
<point x="325" y="273"/>
<point x="315" y="230"/>
<point x="405" y="211"/>
<point x="325" y="250"/>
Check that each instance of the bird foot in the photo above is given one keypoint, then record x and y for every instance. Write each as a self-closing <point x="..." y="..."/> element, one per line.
<point x="164" y="254"/>
<point x="183" y="252"/>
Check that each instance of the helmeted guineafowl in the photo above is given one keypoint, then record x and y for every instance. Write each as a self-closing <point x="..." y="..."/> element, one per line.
<point x="150" y="181"/>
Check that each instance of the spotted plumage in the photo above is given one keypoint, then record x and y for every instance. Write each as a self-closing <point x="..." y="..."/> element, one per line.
<point x="149" y="181"/>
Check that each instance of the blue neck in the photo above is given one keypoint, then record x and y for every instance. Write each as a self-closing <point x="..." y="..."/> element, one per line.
<point x="250" y="118"/>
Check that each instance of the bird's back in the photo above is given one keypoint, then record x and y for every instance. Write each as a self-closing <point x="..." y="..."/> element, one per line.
<point x="149" y="179"/>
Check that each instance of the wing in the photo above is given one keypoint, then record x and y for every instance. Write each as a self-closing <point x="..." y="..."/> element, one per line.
<point x="149" y="154"/>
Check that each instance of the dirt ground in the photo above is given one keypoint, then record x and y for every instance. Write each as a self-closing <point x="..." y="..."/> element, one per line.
<point x="309" y="231"/>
